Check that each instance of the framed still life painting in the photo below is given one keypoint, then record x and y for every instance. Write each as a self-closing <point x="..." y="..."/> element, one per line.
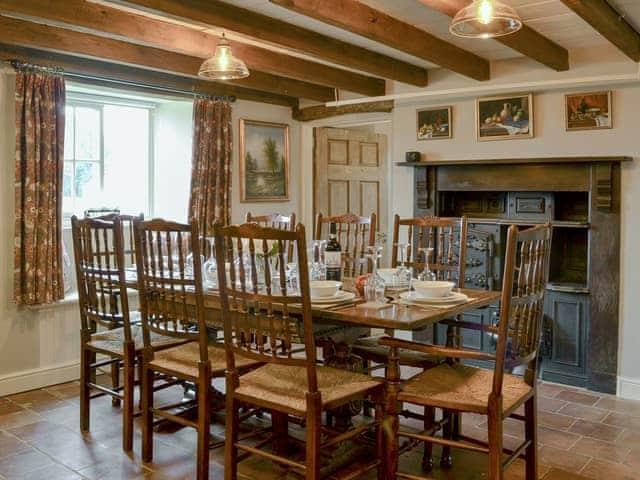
<point x="433" y="123"/>
<point x="504" y="118"/>
<point x="264" y="161"/>
<point x="588" y="111"/>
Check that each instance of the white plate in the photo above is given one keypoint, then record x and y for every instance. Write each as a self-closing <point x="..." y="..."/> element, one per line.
<point x="341" y="296"/>
<point x="454" y="297"/>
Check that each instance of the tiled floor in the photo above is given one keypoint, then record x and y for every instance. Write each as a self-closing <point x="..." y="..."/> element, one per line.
<point x="582" y="435"/>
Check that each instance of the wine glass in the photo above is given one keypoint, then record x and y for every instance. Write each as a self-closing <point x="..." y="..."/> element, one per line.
<point x="402" y="275"/>
<point x="317" y="268"/>
<point x="210" y="267"/>
<point x="427" y="274"/>
<point x="374" y="285"/>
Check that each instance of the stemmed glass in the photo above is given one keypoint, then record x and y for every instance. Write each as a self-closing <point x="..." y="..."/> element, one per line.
<point x="210" y="267"/>
<point x="427" y="274"/>
<point x="317" y="268"/>
<point x="374" y="285"/>
<point x="402" y="275"/>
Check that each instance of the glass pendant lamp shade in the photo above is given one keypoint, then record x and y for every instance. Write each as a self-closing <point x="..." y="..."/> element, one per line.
<point x="223" y="65"/>
<point x="485" y="19"/>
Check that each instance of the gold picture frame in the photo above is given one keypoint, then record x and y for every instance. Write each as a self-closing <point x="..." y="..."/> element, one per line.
<point x="505" y="117"/>
<point x="434" y="123"/>
<point x="588" y="111"/>
<point x="264" y="161"/>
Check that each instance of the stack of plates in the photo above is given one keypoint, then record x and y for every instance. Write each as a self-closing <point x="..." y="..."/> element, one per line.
<point x="339" y="297"/>
<point x="453" y="297"/>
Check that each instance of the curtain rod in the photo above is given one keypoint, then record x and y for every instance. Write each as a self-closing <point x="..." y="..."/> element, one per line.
<point x="24" y="66"/>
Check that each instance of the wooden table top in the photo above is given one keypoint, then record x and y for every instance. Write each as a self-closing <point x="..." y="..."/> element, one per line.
<point x="395" y="316"/>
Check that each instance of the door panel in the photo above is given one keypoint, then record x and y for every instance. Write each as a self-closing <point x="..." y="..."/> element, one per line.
<point x="338" y="197"/>
<point x="350" y="173"/>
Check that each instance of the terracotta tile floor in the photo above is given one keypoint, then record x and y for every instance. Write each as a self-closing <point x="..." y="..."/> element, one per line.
<point x="582" y="435"/>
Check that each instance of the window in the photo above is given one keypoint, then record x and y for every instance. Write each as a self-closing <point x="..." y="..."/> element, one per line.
<point x="108" y="160"/>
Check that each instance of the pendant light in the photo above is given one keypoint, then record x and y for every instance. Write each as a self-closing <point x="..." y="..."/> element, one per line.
<point x="485" y="19"/>
<point x="223" y="65"/>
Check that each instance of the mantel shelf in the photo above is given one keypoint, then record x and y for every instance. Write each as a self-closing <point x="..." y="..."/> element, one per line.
<point x="515" y="161"/>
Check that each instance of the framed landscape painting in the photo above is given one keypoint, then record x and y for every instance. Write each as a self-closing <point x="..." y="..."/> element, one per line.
<point x="264" y="161"/>
<point x="588" y="111"/>
<point x="433" y="123"/>
<point x="504" y="118"/>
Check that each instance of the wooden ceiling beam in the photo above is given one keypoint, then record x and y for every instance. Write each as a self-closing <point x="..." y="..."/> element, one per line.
<point x="99" y="19"/>
<point x="29" y="34"/>
<point x="526" y="41"/>
<point x="609" y="23"/>
<point x="113" y="74"/>
<point x="224" y="15"/>
<point x="317" y="112"/>
<point x="364" y="20"/>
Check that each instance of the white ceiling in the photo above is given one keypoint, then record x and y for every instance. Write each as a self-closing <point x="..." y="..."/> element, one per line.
<point x="551" y="18"/>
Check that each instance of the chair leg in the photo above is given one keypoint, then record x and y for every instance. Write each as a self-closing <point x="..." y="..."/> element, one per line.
<point x="139" y="364"/>
<point x="129" y="386"/>
<point x="314" y="423"/>
<point x="146" y="392"/>
<point x="494" y="423"/>
<point x="380" y="443"/>
<point x="392" y="447"/>
<point x="280" y="428"/>
<point x="531" y="433"/>
<point x="115" y="382"/>
<point x="446" y="461"/>
<point x="427" y="456"/>
<point x="231" y="432"/>
<point x="204" y="419"/>
<point x="366" y="407"/>
<point x="85" y="391"/>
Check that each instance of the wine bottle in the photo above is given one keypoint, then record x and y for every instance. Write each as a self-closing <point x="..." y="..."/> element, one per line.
<point x="333" y="255"/>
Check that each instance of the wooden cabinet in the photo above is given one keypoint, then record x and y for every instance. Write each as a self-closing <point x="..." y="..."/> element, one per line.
<point x="564" y="338"/>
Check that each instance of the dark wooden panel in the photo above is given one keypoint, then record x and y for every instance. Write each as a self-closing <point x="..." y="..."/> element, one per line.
<point x="604" y="282"/>
<point x="564" y="177"/>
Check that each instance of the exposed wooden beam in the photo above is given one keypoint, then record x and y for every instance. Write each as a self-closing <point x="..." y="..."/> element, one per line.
<point x="264" y="28"/>
<point x="101" y="72"/>
<point x="364" y="20"/>
<point x="609" y="23"/>
<point x="526" y="41"/>
<point x="317" y="112"/>
<point x="116" y="23"/>
<point x="25" y="33"/>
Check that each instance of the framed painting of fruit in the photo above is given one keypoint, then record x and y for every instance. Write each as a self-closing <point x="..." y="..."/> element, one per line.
<point x="433" y="123"/>
<point x="588" y="111"/>
<point x="504" y="118"/>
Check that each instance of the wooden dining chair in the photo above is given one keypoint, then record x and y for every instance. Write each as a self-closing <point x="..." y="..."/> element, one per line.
<point x="447" y="236"/>
<point x="262" y="320"/>
<point x="275" y="220"/>
<point x="172" y="305"/>
<point x="106" y="323"/>
<point x="462" y="388"/>
<point x="355" y="234"/>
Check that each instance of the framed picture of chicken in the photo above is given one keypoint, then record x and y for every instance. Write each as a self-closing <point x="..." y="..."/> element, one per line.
<point x="504" y="118"/>
<point x="588" y="111"/>
<point x="433" y="123"/>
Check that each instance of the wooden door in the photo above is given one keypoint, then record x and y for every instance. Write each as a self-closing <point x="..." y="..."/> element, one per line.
<point x="350" y="173"/>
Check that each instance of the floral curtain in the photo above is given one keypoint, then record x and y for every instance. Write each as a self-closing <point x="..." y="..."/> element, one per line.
<point x="211" y="164"/>
<point x="40" y="104"/>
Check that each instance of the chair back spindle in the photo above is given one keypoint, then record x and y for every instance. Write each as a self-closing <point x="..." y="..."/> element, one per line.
<point x="447" y="237"/>
<point x="355" y="234"/>
<point x="170" y="287"/>
<point x="275" y="220"/>
<point x="526" y="273"/>
<point x="257" y="302"/>
<point x="99" y="258"/>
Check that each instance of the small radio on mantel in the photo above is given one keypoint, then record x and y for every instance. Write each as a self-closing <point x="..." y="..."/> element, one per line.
<point x="412" y="156"/>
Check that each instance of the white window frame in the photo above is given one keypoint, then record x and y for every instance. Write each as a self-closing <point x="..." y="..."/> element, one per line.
<point x="75" y="99"/>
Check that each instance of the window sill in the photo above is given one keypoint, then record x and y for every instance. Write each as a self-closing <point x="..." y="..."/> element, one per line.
<point x="69" y="299"/>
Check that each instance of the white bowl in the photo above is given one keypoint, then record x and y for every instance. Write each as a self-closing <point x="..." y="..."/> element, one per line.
<point x="324" y="288"/>
<point x="431" y="289"/>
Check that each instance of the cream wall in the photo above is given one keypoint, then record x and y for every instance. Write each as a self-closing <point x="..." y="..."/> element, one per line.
<point x="40" y="346"/>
